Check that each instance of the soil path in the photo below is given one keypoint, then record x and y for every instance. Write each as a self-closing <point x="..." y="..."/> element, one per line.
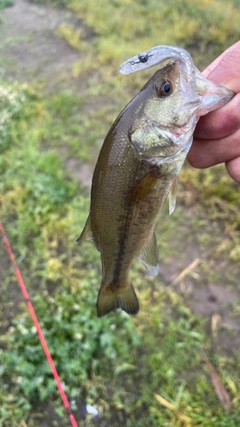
<point x="30" y="50"/>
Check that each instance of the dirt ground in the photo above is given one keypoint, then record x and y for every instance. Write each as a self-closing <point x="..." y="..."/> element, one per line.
<point x="31" y="51"/>
<point x="29" y="48"/>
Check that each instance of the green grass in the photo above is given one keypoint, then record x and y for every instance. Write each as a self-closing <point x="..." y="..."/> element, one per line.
<point x="118" y="363"/>
<point x="6" y="3"/>
<point x="205" y="28"/>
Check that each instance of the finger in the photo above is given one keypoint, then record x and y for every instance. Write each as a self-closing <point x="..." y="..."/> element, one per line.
<point x="224" y="68"/>
<point x="233" y="168"/>
<point x="210" y="68"/>
<point x="206" y="153"/>
<point x="220" y="123"/>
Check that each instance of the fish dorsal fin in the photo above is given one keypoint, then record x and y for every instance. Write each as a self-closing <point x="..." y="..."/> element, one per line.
<point x="86" y="234"/>
<point x="172" y="197"/>
<point x="149" y="257"/>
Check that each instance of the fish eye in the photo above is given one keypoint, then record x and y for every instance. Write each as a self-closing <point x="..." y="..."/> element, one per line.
<point x="165" y="89"/>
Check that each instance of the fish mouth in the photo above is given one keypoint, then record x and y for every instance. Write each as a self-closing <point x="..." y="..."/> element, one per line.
<point x="211" y="95"/>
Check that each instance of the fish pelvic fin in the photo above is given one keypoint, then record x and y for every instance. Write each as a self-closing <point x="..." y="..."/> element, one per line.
<point x="112" y="297"/>
<point x="86" y="234"/>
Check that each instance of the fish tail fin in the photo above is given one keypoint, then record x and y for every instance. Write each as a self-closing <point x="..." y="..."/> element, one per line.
<point x="111" y="297"/>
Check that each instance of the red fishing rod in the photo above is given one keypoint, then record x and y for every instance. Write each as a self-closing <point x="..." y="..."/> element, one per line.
<point x="38" y="327"/>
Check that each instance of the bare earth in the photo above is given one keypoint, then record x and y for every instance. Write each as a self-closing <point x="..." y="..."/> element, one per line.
<point x="30" y="50"/>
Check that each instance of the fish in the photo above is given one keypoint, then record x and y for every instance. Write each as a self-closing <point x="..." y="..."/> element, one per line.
<point x="138" y="167"/>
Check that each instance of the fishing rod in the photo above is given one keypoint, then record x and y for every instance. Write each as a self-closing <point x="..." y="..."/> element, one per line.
<point x="38" y="327"/>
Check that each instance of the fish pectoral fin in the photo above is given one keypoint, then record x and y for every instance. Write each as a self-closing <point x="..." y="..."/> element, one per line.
<point x="86" y="234"/>
<point x="112" y="297"/>
<point x="172" y="198"/>
<point x="144" y="186"/>
<point x="149" y="257"/>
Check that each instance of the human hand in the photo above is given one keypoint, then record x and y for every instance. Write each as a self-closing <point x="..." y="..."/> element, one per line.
<point x="217" y="135"/>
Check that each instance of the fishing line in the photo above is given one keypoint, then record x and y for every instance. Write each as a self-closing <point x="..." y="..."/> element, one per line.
<point x="38" y="327"/>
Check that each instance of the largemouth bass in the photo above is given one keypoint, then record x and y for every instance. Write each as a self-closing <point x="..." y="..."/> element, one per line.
<point x="138" y="166"/>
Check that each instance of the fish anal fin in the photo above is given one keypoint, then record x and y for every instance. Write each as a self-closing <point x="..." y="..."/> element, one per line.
<point x="111" y="297"/>
<point x="86" y="234"/>
<point x="149" y="257"/>
<point x="173" y="196"/>
<point x="144" y="186"/>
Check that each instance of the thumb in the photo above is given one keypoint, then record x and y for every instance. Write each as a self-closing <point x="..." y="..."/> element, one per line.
<point x="226" y="68"/>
